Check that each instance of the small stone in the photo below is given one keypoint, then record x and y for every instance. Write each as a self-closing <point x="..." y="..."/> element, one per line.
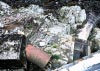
<point x="6" y="32"/>
<point x="64" y="47"/>
<point x="82" y="16"/>
<point x="65" y="59"/>
<point x="57" y="53"/>
<point x="42" y="44"/>
<point x="1" y="13"/>
<point x="71" y="19"/>
<point x="97" y="32"/>
<point x="64" y="10"/>
<point x="63" y="40"/>
<point x="75" y="8"/>
<point x="21" y="32"/>
<point x="56" y="29"/>
<point x="11" y="43"/>
<point x="45" y="30"/>
<point x="1" y="25"/>
<point x="47" y="49"/>
<point x="97" y="37"/>
<point x="36" y="9"/>
<point x="53" y="49"/>
<point x="62" y="61"/>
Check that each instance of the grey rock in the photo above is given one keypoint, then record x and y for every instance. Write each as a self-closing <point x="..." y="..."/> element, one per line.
<point x="97" y="33"/>
<point x="72" y="14"/>
<point x="5" y="8"/>
<point x="97" y="37"/>
<point x="82" y="16"/>
<point x="32" y="9"/>
<point x="41" y="44"/>
<point x="53" y="39"/>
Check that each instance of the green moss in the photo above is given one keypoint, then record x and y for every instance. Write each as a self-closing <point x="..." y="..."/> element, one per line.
<point x="54" y="45"/>
<point x="29" y="26"/>
<point x="49" y="52"/>
<point x="56" y="56"/>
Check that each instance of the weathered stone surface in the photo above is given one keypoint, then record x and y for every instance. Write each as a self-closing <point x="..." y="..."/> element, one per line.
<point x="96" y="37"/>
<point x="74" y="13"/>
<point x="88" y="63"/>
<point x="49" y="33"/>
<point x="97" y="33"/>
<point x="57" y="34"/>
<point x="32" y="9"/>
<point x="5" y="9"/>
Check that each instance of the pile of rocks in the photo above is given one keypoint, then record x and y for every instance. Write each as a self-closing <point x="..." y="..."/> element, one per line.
<point x="53" y="34"/>
<point x="56" y="34"/>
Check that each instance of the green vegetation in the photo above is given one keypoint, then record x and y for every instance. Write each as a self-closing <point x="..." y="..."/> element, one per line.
<point x="57" y="57"/>
<point x="29" y="26"/>
<point x="54" y="45"/>
<point x="49" y="52"/>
